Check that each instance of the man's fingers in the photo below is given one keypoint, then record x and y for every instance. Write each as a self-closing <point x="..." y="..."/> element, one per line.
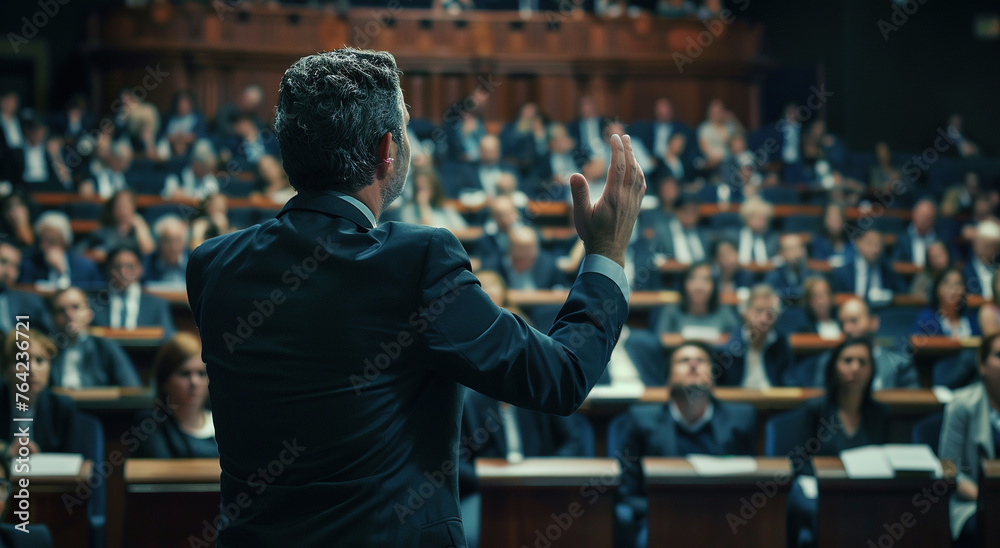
<point x="581" y="200"/>
<point x="616" y="169"/>
<point x="630" y="163"/>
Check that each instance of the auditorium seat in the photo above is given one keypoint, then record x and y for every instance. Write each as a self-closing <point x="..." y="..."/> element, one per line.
<point x="92" y="434"/>
<point x="725" y="220"/>
<point x="897" y="321"/>
<point x="616" y="432"/>
<point x="84" y="211"/>
<point x="928" y="430"/>
<point x="781" y="433"/>
<point x="800" y="223"/>
<point x="582" y="428"/>
<point x="782" y="195"/>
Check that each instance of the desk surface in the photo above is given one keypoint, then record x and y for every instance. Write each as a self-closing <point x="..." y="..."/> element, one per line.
<point x="782" y="397"/>
<point x="546" y="472"/>
<point x="147" y="471"/>
<point x="71" y="480"/>
<point x="679" y="471"/>
<point x="830" y="471"/>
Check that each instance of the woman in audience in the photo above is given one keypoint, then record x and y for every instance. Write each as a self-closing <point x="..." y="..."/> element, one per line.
<point x="53" y="416"/>
<point x="16" y="219"/>
<point x="883" y="174"/>
<point x="947" y="314"/>
<point x="726" y="269"/>
<point x="938" y="260"/>
<point x="970" y="433"/>
<point x="121" y="226"/>
<point x="699" y="306"/>
<point x="213" y="221"/>
<point x="428" y="206"/>
<point x="989" y="312"/>
<point x="830" y="243"/>
<point x="845" y="417"/>
<point x="272" y="181"/>
<point x="816" y="314"/>
<point x="715" y="133"/>
<point x="182" y="387"/>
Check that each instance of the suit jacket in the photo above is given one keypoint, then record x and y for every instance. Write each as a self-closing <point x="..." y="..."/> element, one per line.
<point x="771" y="240"/>
<point x="844" y="278"/>
<point x="822" y="249"/>
<point x="542" y="435"/>
<point x="928" y="323"/>
<point x="731" y="358"/>
<point x="103" y="363"/>
<point x="83" y="273"/>
<point x="663" y="238"/>
<point x="168" y="441"/>
<point x="153" y="311"/>
<point x="780" y="280"/>
<point x="903" y="250"/>
<point x="342" y="348"/>
<point x="821" y="422"/>
<point x="54" y="428"/>
<point x="972" y="282"/>
<point x="966" y="439"/>
<point x="545" y="273"/>
<point x="22" y="303"/>
<point x="651" y="431"/>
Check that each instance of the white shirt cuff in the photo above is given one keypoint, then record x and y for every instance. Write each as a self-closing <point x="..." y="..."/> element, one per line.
<point x="603" y="265"/>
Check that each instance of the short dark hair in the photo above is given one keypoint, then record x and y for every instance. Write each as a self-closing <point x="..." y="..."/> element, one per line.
<point x="830" y="377"/>
<point x="704" y="347"/>
<point x="333" y="108"/>
<point x="938" y="280"/>
<point x="983" y="352"/>
<point x="116" y="251"/>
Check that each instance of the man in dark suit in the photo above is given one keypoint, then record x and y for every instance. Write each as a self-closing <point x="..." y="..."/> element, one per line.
<point x="787" y="279"/>
<point x="587" y="130"/>
<point x="13" y="302"/>
<point x="125" y="306"/>
<point x="525" y="265"/>
<point x="868" y="275"/>
<point x="693" y="422"/>
<point x="911" y="245"/>
<point x="982" y="265"/>
<point x="340" y="345"/>
<point x="756" y="355"/>
<point x="657" y="133"/>
<point x="680" y="238"/>
<point x="53" y="262"/>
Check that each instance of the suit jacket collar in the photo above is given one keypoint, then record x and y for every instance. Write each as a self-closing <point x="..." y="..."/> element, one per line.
<point x="327" y="203"/>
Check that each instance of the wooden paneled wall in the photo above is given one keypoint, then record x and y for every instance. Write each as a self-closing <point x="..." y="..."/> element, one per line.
<point x="551" y="58"/>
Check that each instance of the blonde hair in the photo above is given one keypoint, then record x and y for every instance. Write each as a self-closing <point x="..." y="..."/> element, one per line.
<point x="756" y="206"/>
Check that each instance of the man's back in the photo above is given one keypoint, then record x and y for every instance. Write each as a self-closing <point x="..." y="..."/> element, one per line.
<point x="333" y="350"/>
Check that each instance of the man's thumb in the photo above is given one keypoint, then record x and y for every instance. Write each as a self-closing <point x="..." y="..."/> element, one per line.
<point x="581" y="193"/>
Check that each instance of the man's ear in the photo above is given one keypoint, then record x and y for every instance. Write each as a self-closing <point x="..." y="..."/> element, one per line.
<point x="384" y="167"/>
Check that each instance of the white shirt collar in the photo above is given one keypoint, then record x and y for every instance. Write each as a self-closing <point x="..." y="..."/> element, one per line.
<point x="356" y="203"/>
<point x="697" y="425"/>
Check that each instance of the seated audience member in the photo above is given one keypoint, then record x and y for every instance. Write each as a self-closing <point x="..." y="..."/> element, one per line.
<point x="911" y="246"/>
<point x="54" y="417"/>
<point x="586" y="129"/>
<point x="958" y="200"/>
<point x="674" y="163"/>
<point x="551" y="173"/>
<point x="868" y="274"/>
<point x="10" y="121"/>
<point x="884" y="174"/>
<point x="982" y="265"/>
<point x="127" y="306"/>
<point x="166" y="267"/>
<point x="740" y="171"/>
<point x="52" y="262"/>
<point x="726" y="268"/>
<point x="463" y="128"/>
<point x="197" y="179"/>
<point x="642" y="155"/>
<point x="816" y="313"/>
<point x="272" y="182"/>
<point x="85" y="360"/>
<point x="212" y="221"/>
<point x="110" y="174"/>
<point x="937" y="260"/>
<point x="984" y="208"/>
<point x="963" y="145"/>
<point x="184" y="125"/>
<point x="892" y="368"/>
<point x="948" y="315"/>
<point x="187" y="431"/>
<point x="656" y="220"/>
<point x="17" y="303"/>
<point x="526" y="266"/>
<point x="38" y="536"/>
<point x="970" y="433"/>
<point x="757" y="244"/>
<point x="524" y="140"/>
<point x="847" y="416"/>
<point x="250" y="143"/>
<point x="121" y="226"/>
<point x="757" y="355"/>
<point x="699" y="306"/>
<point x="715" y="133"/>
<point x="830" y="242"/>
<point x="989" y="312"/>
<point x="692" y="422"/>
<point x="787" y="279"/>
<point x="15" y="219"/>
<point x="490" y="168"/>
<point x="249" y="104"/>
<point x="657" y="134"/>
<point x="680" y="238"/>
<point x="43" y="167"/>
<point x="429" y="207"/>
<point x="504" y="217"/>
<point x="513" y="434"/>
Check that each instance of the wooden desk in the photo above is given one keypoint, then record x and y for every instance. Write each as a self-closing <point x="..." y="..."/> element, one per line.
<point x="989" y="504"/>
<point x="901" y="512"/>
<point x="169" y="500"/>
<point x="47" y="507"/>
<point x="687" y="509"/>
<point x="562" y="502"/>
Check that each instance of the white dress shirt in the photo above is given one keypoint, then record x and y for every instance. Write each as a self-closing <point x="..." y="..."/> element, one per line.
<point x="36" y="169"/>
<point x="752" y="248"/>
<point x="12" y="131"/>
<point x="130" y="300"/>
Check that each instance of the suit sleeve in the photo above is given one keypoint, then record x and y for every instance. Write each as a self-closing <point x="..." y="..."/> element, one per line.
<point x="492" y="351"/>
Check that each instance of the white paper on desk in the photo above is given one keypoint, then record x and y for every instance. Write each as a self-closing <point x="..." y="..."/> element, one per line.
<point x="54" y="464"/>
<point x="700" y="333"/>
<point x="709" y="465"/>
<point x="623" y="391"/>
<point x="913" y="457"/>
<point x="809" y="486"/>
<point x="943" y="394"/>
<point x="868" y="462"/>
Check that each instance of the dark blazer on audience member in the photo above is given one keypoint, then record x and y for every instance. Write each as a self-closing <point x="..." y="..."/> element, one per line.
<point x="780" y="280"/>
<point x="966" y="439"/>
<point x="820" y="416"/>
<point x="903" y="249"/>
<point x="383" y="423"/>
<point x="83" y="273"/>
<point x="103" y="363"/>
<point x="168" y="441"/>
<point x="731" y="356"/>
<point x="542" y="435"/>
<point x="843" y="278"/>
<point x="153" y="311"/>
<point x="54" y="428"/>
<point x="651" y="431"/>
<point x="973" y="285"/>
<point x="928" y="323"/>
<point x="822" y="249"/>
<point x="545" y="272"/>
<point x="22" y="303"/>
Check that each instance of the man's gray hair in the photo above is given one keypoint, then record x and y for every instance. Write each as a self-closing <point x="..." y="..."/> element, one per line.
<point x="57" y="220"/>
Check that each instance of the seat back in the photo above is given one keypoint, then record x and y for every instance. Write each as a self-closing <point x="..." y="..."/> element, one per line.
<point x="928" y="430"/>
